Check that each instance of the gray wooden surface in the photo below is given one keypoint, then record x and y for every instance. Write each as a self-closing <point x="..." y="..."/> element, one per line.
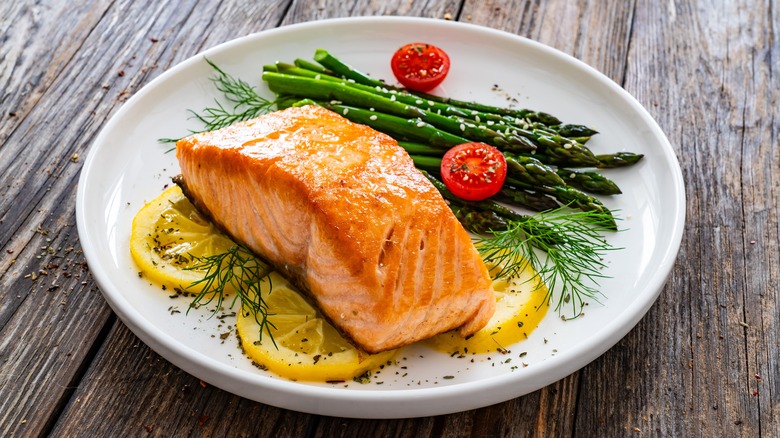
<point x="703" y="362"/>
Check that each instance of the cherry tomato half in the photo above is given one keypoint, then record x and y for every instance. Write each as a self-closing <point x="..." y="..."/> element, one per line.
<point x="420" y="66"/>
<point x="473" y="171"/>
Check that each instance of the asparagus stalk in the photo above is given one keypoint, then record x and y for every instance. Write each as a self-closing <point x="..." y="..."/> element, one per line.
<point x="304" y="64"/>
<point x="397" y="127"/>
<point x="576" y="198"/>
<point x="535" y="201"/>
<point x="420" y="149"/>
<point x="325" y="90"/>
<point x="531" y="171"/>
<point x="340" y="68"/>
<point x="430" y="164"/>
<point x="478" y="221"/>
<point x="319" y="89"/>
<point x="592" y="182"/>
<point x="618" y="159"/>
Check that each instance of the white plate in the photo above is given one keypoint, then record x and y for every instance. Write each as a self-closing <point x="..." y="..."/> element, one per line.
<point x="127" y="166"/>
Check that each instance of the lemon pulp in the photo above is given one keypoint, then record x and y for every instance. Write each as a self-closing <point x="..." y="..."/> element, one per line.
<point x="302" y="345"/>
<point x="167" y="235"/>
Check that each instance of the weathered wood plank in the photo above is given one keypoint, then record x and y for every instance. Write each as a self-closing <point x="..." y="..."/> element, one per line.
<point x="51" y="314"/>
<point x="30" y="63"/>
<point x="594" y="32"/>
<point x="302" y="10"/>
<point x="131" y="391"/>
<point x="690" y="367"/>
<point x="703" y="362"/>
<point x="583" y="31"/>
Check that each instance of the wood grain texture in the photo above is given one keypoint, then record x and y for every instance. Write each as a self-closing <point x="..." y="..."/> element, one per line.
<point x="707" y="376"/>
<point x="705" y="361"/>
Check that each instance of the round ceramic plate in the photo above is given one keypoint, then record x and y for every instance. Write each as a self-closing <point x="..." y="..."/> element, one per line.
<point x="128" y="166"/>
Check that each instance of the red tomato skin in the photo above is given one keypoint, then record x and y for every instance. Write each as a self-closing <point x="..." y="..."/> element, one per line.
<point x="413" y="63"/>
<point x="483" y="175"/>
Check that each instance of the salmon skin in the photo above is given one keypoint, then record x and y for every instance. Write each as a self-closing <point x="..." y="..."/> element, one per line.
<point x="341" y="211"/>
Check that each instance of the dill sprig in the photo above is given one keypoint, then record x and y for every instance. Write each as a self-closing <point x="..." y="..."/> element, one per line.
<point x="572" y="259"/>
<point x="244" y="103"/>
<point x="237" y="270"/>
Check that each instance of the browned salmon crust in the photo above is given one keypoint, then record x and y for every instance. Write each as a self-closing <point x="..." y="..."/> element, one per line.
<point x="341" y="210"/>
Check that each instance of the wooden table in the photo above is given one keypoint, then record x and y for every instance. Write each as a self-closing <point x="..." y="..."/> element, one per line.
<point x="705" y="361"/>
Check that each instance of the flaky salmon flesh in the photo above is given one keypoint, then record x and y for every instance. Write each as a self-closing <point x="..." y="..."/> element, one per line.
<point x="340" y="210"/>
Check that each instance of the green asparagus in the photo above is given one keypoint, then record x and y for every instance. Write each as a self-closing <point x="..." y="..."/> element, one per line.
<point x="619" y="159"/>
<point x="318" y="89"/>
<point x="592" y="182"/>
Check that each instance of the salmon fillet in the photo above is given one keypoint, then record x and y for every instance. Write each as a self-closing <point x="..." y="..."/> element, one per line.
<point x="340" y="210"/>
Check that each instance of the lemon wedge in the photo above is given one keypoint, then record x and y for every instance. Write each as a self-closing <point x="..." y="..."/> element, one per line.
<point x="303" y="345"/>
<point x="166" y="233"/>
<point x="520" y="306"/>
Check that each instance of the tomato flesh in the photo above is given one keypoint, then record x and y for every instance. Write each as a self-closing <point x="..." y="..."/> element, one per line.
<point x="420" y="66"/>
<point x="473" y="171"/>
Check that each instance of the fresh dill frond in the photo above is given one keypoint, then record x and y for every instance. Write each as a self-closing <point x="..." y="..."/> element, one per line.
<point x="571" y="262"/>
<point x="247" y="103"/>
<point x="244" y="103"/>
<point x="236" y="270"/>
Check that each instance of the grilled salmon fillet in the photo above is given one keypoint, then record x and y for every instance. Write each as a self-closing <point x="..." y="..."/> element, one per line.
<point x="340" y="210"/>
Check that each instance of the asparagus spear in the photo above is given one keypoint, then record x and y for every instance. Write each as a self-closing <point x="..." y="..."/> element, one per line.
<point x="325" y="90"/>
<point x="592" y="182"/>
<point x="535" y="201"/>
<point x="531" y="171"/>
<point x="420" y="149"/>
<point x="575" y="198"/>
<point x="569" y="130"/>
<point x="430" y="164"/>
<point x="304" y="64"/>
<point x="478" y="221"/>
<point x="319" y="89"/>
<point x="340" y="68"/>
<point x="618" y="159"/>
<point x="397" y="127"/>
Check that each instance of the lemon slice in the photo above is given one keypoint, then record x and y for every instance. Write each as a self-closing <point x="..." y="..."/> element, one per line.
<point x="166" y="234"/>
<point x="520" y="306"/>
<point x="307" y="347"/>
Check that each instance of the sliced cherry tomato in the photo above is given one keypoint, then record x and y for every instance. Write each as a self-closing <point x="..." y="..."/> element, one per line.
<point x="473" y="171"/>
<point x="420" y="66"/>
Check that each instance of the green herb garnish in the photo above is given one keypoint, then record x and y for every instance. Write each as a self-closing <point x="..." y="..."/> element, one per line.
<point x="239" y="270"/>
<point x="574" y="250"/>
<point x="246" y="104"/>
